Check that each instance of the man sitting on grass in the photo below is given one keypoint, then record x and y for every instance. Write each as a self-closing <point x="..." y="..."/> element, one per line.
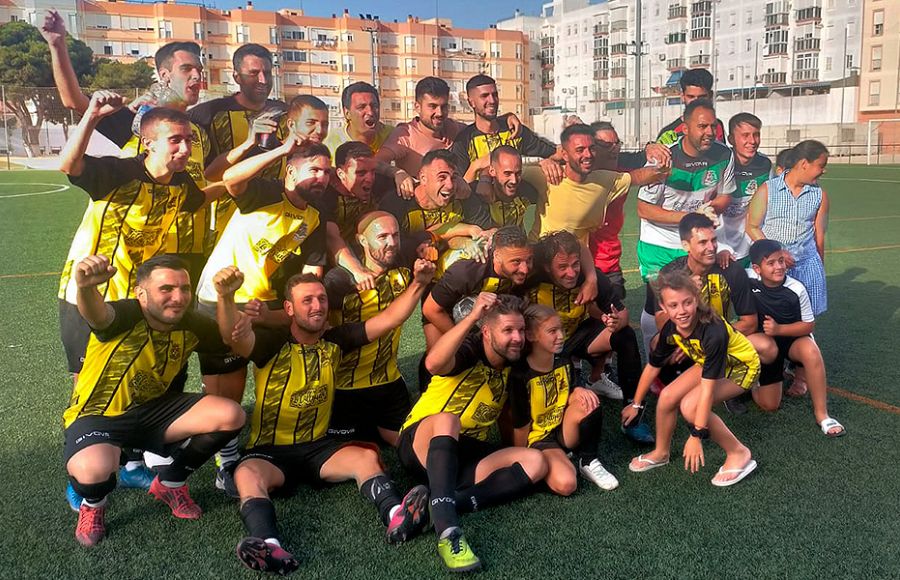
<point x="785" y="314"/>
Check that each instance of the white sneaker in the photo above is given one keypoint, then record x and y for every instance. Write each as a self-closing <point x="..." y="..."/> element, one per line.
<point x="606" y="388"/>
<point x="595" y="472"/>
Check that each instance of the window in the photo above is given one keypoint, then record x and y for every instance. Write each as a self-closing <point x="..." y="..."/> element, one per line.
<point x="293" y="34"/>
<point x="410" y="43"/>
<point x="495" y="50"/>
<point x="242" y="33"/>
<point x="348" y="63"/>
<point x="874" y="93"/>
<point x="294" y="55"/>
<point x="518" y="72"/>
<point x="198" y="31"/>
<point x="749" y="16"/>
<point x="749" y="46"/>
<point x="518" y="51"/>
<point x="395" y="106"/>
<point x="165" y="29"/>
<point x="273" y="35"/>
<point x="107" y="49"/>
<point x="876" y="58"/>
<point x="878" y="22"/>
<point x="410" y="66"/>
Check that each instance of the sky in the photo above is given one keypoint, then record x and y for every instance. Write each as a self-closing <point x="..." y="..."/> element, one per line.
<point x="463" y="13"/>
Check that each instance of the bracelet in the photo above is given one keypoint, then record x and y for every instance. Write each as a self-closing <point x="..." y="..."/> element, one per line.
<point x="699" y="433"/>
<point x="638" y="407"/>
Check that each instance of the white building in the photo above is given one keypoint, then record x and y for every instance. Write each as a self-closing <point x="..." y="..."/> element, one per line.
<point x="792" y="63"/>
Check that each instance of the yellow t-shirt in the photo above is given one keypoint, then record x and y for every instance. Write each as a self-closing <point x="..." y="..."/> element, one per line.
<point x="579" y="208"/>
<point x="337" y="136"/>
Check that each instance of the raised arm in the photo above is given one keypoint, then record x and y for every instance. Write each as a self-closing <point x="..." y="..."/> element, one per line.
<point x="650" y="174"/>
<point x="227" y="281"/>
<point x="237" y="176"/>
<point x="102" y="104"/>
<point x="54" y="32"/>
<point x="403" y="306"/>
<point x="90" y="273"/>
<point x="756" y="213"/>
<point x="442" y="356"/>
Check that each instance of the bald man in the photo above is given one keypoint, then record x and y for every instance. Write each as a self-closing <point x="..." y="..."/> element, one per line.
<point x="371" y="398"/>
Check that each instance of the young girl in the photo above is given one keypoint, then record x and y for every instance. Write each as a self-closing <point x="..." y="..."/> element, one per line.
<point x="726" y="365"/>
<point x="793" y="209"/>
<point x="550" y="412"/>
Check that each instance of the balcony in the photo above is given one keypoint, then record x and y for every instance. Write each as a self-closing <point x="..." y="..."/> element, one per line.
<point x="775" y="20"/>
<point x="601" y="74"/>
<point x="807" y="44"/>
<point x="546" y="63"/>
<point x="774" y="78"/>
<point x="701" y="33"/>
<point x="548" y="84"/>
<point x="619" y="49"/>
<point x="601" y="29"/>
<point x="676" y="12"/>
<point x="674" y="64"/>
<point x="702" y="8"/>
<point x="811" y="14"/>
<point x="806" y="75"/>
<point x="617" y="72"/>
<point x="616" y="25"/>
<point x="777" y="49"/>
<point x="676" y="38"/>
<point x="601" y="53"/>
<point x="547" y="42"/>
<point x="700" y="60"/>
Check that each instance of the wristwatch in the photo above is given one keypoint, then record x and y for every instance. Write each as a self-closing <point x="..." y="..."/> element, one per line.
<point x="699" y="433"/>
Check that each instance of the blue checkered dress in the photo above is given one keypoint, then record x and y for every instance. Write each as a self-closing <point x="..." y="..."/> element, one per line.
<point x="791" y="220"/>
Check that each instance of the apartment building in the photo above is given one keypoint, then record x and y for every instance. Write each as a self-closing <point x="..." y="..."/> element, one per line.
<point x="880" y="74"/>
<point x="317" y="55"/>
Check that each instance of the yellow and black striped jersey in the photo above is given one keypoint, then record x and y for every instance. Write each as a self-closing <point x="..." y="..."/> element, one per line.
<point x="727" y="291"/>
<point x="503" y="210"/>
<point x="128" y="363"/>
<point x="191" y="232"/>
<point x="471" y="143"/>
<point x="376" y="362"/>
<point x="295" y="383"/>
<point x="571" y="314"/>
<point x="346" y="211"/>
<point x="126" y="220"/>
<point x="722" y="351"/>
<point x="473" y="390"/>
<point x="269" y="241"/>
<point x="539" y="399"/>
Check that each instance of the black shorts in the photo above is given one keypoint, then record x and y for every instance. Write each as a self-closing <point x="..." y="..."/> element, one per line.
<point x="75" y="334"/>
<point x="774" y="372"/>
<point x="618" y="282"/>
<point x="469" y="452"/>
<point x="358" y="413"/>
<point x="553" y="440"/>
<point x="300" y="463"/>
<point x="585" y="333"/>
<point x="141" y="427"/>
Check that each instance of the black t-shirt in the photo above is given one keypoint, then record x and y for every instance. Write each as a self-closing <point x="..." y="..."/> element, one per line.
<point x="468" y="277"/>
<point x="270" y="341"/>
<point x="786" y="304"/>
<point x="470" y="143"/>
<point x="723" y="290"/>
<point x="117" y="127"/>
<point x="708" y="342"/>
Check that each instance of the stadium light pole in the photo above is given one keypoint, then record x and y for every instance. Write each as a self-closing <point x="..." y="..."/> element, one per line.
<point x="637" y="51"/>
<point x="371" y="26"/>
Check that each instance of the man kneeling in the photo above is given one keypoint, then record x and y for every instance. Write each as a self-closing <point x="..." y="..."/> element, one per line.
<point x="295" y="368"/>
<point x="444" y="439"/>
<point x="122" y="398"/>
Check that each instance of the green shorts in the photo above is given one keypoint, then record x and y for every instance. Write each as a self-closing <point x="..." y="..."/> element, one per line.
<point x="651" y="258"/>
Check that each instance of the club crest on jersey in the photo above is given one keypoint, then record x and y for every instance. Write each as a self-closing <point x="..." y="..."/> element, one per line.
<point x="751" y="187"/>
<point x="709" y="178"/>
<point x="301" y="233"/>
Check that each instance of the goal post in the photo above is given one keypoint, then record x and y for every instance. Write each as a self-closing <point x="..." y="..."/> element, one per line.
<point x="873" y="132"/>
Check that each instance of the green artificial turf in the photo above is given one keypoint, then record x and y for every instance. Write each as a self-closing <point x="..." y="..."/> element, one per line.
<point x="815" y="507"/>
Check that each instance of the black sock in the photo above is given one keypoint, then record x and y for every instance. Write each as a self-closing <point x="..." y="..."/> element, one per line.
<point x="94" y="492"/>
<point x="197" y="452"/>
<point x="381" y="491"/>
<point x="628" y="360"/>
<point x="442" y="466"/>
<point x="258" y="515"/>
<point x="589" y="431"/>
<point x="502" y="486"/>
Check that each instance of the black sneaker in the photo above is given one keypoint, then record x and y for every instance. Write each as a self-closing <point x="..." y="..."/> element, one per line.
<point x="261" y="556"/>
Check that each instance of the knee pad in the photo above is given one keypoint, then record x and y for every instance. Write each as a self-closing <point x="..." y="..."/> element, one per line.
<point x="94" y="492"/>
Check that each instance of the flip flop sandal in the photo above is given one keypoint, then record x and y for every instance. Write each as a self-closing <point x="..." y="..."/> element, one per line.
<point x="828" y="424"/>
<point x="741" y="474"/>
<point x="648" y="464"/>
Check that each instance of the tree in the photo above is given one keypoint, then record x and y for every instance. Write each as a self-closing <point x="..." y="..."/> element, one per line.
<point x="120" y="76"/>
<point x="26" y="74"/>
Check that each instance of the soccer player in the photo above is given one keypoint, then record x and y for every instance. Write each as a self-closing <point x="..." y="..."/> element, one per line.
<point x="510" y="195"/>
<point x="352" y="194"/>
<point x="433" y="220"/>
<point x="751" y="170"/>
<point x="362" y="112"/>
<point x="551" y="410"/>
<point x="702" y="180"/>
<point x="473" y="145"/>
<point x="137" y="348"/>
<point x="279" y="231"/>
<point x="725" y="365"/>
<point x="371" y="398"/>
<point x="579" y="202"/>
<point x="505" y="271"/>
<point x="695" y="84"/>
<point x="786" y="315"/>
<point x="295" y="381"/>
<point x="444" y="439"/>
<point x="593" y="329"/>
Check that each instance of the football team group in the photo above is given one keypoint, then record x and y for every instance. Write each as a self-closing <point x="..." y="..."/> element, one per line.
<point x="251" y="232"/>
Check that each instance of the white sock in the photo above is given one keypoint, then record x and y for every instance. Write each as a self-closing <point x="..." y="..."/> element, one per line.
<point x="393" y="511"/>
<point x="100" y="503"/>
<point x="448" y="531"/>
<point x="172" y="484"/>
<point x="273" y="542"/>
